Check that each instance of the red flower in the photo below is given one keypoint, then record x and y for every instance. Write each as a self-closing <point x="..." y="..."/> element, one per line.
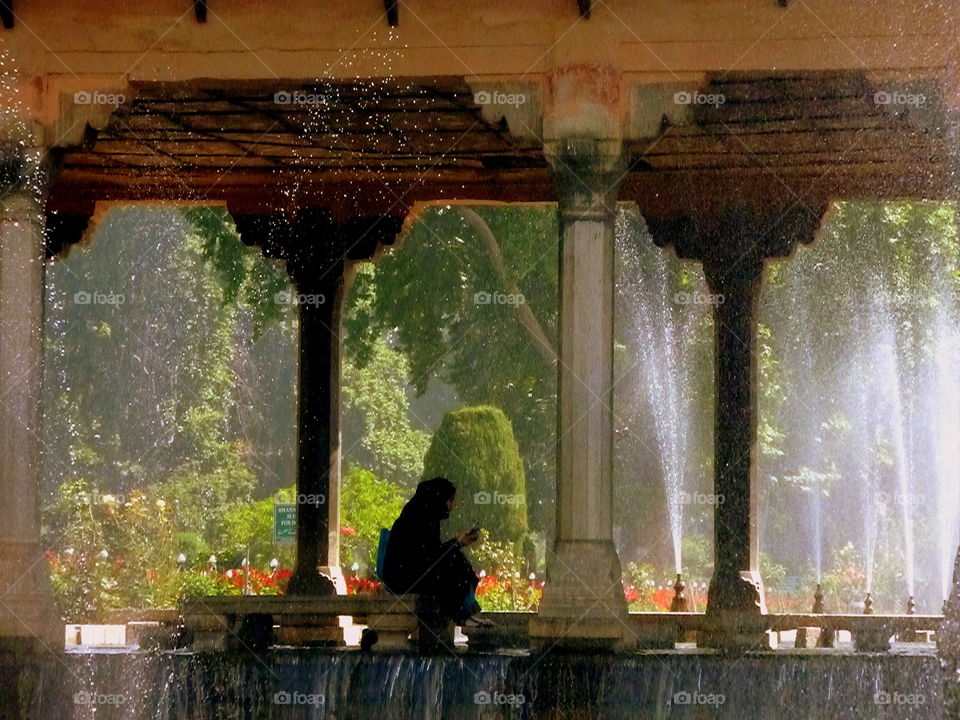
<point x="663" y="597"/>
<point x="344" y="530"/>
<point x="487" y="582"/>
<point x="357" y="585"/>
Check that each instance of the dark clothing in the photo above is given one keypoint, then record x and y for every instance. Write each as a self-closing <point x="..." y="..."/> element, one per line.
<point x="418" y="561"/>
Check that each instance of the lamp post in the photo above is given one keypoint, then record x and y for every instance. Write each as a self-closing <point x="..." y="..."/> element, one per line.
<point x="245" y="564"/>
<point x="181" y="562"/>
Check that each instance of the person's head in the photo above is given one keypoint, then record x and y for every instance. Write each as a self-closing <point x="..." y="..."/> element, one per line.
<point x="438" y="495"/>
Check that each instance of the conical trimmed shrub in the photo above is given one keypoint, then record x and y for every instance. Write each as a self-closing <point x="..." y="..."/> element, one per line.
<point x="475" y="449"/>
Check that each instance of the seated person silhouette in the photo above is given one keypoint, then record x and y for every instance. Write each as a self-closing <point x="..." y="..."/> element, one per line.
<point x="418" y="561"/>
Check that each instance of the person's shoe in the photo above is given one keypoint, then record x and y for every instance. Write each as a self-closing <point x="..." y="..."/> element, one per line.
<point x="368" y="638"/>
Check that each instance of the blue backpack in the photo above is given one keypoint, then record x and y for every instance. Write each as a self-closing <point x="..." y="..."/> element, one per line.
<point x="382" y="551"/>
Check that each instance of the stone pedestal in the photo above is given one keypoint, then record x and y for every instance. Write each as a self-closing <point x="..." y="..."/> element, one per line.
<point x="808" y="638"/>
<point x="583" y="602"/>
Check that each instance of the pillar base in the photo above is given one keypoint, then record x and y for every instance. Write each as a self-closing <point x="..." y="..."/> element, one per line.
<point x="335" y="574"/>
<point x="742" y="592"/>
<point x="311" y="583"/>
<point x="735" y="606"/>
<point x="583" y="605"/>
<point x="736" y="632"/>
<point x="26" y="607"/>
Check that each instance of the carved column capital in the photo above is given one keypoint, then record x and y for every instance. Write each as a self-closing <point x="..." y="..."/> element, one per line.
<point x="62" y="231"/>
<point x="313" y="244"/>
<point x="735" y="235"/>
<point x="587" y="174"/>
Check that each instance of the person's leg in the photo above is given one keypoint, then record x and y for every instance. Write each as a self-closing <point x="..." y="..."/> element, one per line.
<point x="459" y="598"/>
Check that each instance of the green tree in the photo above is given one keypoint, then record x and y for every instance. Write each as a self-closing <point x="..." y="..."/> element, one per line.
<point x="475" y="449"/>
<point x="377" y="411"/>
<point x="424" y="295"/>
<point x="367" y="505"/>
<point x="148" y="401"/>
<point x="250" y="526"/>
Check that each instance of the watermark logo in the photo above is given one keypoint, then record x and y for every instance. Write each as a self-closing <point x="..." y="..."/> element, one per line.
<point x="897" y="97"/>
<point x="86" y="97"/>
<point x="288" y="297"/>
<point x="498" y="698"/>
<point x="885" y="298"/>
<point x="499" y="98"/>
<point x="285" y="697"/>
<point x="908" y="499"/>
<point x="297" y="97"/>
<point x="88" y="697"/>
<point x="697" y="298"/>
<point x="311" y="499"/>
<point x="698" y="98"/>
<point x="699" y="498"/>
<point x="96" y="498"/>
<point x="98" y="298"/>
<point x="498" y="298"/>
<point x="898" y="698"/>
<point x="497" y="498"/>
<point x="698" y="698"/>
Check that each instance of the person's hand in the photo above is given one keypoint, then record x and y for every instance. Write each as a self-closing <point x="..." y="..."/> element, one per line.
<point x="467" y="539"/>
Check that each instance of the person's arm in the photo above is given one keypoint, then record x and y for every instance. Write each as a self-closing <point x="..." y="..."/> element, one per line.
<point x="466" y="539"/>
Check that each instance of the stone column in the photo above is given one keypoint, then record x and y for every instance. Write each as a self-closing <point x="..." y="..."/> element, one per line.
<point x="736" y="584"/>
<point x="309" y="242"/>
<point x="733" y="243"/>
<point x="948" y="635"/>
<point x="26" y="608"/>
<point x="321" y="287"/>
<point x="583" y="600"/>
